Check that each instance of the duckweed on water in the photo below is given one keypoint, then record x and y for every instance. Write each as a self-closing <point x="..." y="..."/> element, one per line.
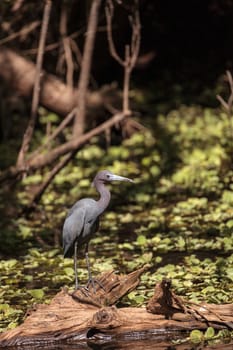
<point x="176" y="218"/>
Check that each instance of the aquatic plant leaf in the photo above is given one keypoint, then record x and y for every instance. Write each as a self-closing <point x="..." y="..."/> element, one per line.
<point x="69" y="271"/>
<point x="196" y="336"/>
<point x="141" y="240"/>
<point x="37" y="293"/>
<point x="209" y="333"/>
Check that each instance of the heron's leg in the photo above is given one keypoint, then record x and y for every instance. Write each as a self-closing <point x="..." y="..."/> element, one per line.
<point x="90" y="279"/>
<point x="75" y="264"/>
<point x="77" y="286"/>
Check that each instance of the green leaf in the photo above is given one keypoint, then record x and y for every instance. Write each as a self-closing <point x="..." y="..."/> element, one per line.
<point x="12" y="325"/>
<point x="127" y="218"/>
<point x="53" y="253"/>
<point x="229" y="273"/>
<point x="8" y="264"/>
<point x="227" y="197"/>
<point x="141" y="240"/>
<point x="139" y="299"/>
<point x="196" y="336"/>
<point x="4" y="308"/>
<point x="208" y="289"/>
<point x="158" y="259"/>
<point x="69" y="271"/>
<point x="131" y="295"/>
<point x="37" y="293"/>
<point x="209" y="333"/>
<point x="224" y="334"/>
<point x="229" y="223"/>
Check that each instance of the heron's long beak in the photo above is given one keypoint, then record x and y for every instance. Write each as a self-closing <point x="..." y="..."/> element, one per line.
<point x="119" y="178"/>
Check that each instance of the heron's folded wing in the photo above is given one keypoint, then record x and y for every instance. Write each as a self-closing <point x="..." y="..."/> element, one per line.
<point x="72" y="230"/>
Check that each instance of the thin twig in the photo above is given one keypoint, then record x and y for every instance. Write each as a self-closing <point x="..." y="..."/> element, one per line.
<point x="67" y="47"/>
<point x="223" y="102"/>
<point x="17" y="5"/>
<point x="228" y="107"/>
<point x="126" y="83"/>
<point x="76" y="51"/>
<point x="56" y="132"/>
<point x="28" y="28"/>
<point x="55" y="45"/>
<point x="109" y="10"/>
<point x="230" y="81"/>
<point x="36" y="91"/>
<point x="136" y="36"/>
<point x="37" y="196"/>
<point x="78" y="56"/>
<point x="44" y="30"/>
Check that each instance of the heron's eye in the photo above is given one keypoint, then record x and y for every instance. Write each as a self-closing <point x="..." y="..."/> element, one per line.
<point x="108" y="176"/>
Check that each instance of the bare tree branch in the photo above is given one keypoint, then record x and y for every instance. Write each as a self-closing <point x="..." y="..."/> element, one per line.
<point x="109" y="10"/>
<point x="17" y="5"/>
<point x="36" y="93"/>
<point x="56" y="132"/>
<point x="131" y="51"/>
<point x="56" y="169"/>
<point x="28" y="28"/>
<point x="136" y="36"/>
<point x="223" y="102"/>
<point x="42" y="160"/>
<point x="79" y="123"/>
<point x="67" y="46"/>
<point x="55" y="45"/>
<point x="126" y="83"/>
<point x="228" y="107"/>
<point x="230" y="81"/>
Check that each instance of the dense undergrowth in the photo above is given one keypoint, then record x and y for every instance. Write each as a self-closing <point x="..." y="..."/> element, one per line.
<point x="177" y="217"/>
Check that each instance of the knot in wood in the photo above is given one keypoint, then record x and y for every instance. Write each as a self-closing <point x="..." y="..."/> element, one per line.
<point x="106" y="318"/>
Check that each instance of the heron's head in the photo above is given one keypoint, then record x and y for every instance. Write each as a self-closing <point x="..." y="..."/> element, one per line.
<point x="107" y="176"/>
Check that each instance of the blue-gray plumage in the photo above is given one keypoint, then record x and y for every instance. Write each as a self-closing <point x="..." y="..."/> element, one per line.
<point x="82" y="220"/>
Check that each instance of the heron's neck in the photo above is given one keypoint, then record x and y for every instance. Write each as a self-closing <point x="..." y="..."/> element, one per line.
<point x="104" y="197"/>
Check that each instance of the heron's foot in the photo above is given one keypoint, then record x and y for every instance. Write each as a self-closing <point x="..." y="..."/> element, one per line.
<point x="82" y="289"/>
<point x="92" y="282"/>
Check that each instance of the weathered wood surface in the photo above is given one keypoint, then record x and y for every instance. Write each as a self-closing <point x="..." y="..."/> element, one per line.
<point x="86" y="316"/>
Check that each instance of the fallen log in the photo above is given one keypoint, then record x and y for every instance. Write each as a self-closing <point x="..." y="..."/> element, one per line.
<point x="19" y="73"/>
<point x="91" y="316"/>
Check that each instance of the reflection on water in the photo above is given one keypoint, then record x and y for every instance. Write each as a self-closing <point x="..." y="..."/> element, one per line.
<point x="145" y="344"/>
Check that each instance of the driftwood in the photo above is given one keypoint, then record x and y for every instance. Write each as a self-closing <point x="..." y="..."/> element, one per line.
<point x="91" y="316"/>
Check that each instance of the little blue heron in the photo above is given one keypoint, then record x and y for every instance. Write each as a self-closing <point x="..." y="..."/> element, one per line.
<point x="82" y="220"/>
